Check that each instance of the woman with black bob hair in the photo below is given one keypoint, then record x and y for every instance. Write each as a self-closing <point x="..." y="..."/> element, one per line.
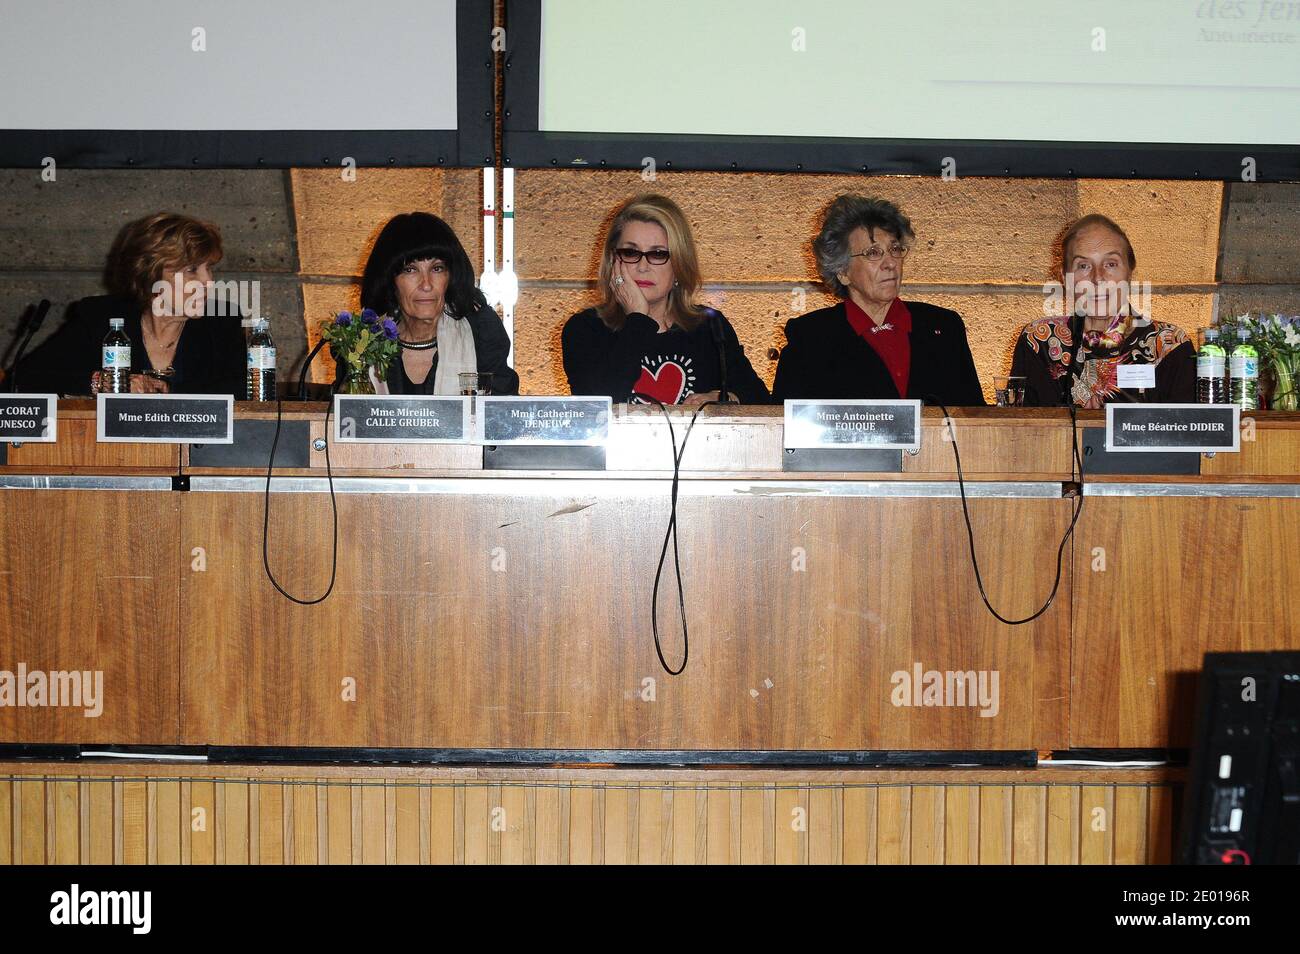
<point x="419" y="275"/>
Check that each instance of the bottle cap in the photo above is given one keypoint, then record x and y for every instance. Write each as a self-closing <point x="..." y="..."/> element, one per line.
<point x="1243" y="333"/>
<point x="1211" y="334"/>
<point x="116" y="322"/>
<point x="261" y="324"/>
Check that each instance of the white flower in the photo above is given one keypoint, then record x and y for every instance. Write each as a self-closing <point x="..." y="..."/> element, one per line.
<point x="1292" y="338"/>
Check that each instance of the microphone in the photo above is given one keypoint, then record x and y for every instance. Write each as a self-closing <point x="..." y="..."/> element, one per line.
<point x="302" y="377"/>
<point x="33" y="326"/>
<point x="1076" y="336"/>
<point x="20" y="330"/>
<point x="715" y="327"/>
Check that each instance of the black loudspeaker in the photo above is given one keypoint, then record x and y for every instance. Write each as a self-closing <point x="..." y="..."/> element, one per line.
<point x="1243" y="797"/>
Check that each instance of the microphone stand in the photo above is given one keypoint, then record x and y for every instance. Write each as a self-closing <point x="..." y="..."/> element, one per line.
<point x="33" y="326"/>
<point x="1076" y="338"/>
<point x="715" y="327"/>
<point x="306" y="365"/>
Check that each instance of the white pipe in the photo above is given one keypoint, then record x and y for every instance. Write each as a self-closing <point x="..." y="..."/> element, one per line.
<point x="487" y="282"/>
<point x="508" y="282"/>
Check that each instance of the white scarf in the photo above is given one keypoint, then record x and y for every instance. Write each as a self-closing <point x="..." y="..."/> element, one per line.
<point x="455" y="354"/>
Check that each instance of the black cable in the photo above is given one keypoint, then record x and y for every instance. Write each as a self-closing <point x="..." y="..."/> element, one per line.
<point x="672" y="533"/>
<point x="1076" y="466"/>
<point x="266" y="511"/>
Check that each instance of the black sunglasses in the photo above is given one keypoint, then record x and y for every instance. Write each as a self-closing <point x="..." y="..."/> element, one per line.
<point x="656" y="256"/>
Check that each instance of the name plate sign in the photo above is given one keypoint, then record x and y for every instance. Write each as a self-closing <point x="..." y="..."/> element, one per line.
<point x="29" y="418"/>
<point x="401" y="419"/>
<point x="582" y="421"/>
<point x="165" y="418"/>
<point x="1179" y="428"/>
<point x="885" y="425"/>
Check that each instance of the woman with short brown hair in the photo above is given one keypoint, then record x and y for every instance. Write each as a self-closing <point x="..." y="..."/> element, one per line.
<point x="159" y="276"/>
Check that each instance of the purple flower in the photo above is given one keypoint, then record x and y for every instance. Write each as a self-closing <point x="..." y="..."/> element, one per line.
<point x="343" y="319"/>
<point x="390" y="329"/>
<point x="368" y="316"/>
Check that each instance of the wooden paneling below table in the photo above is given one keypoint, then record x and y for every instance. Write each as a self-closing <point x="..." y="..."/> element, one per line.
<point x="520" y="618"/>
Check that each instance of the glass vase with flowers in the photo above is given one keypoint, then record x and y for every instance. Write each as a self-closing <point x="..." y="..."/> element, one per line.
<point x="359" y="344"/>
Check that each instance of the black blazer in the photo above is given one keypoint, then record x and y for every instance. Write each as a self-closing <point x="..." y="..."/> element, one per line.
<point x="210" y="356"/>
<point x="491" y="351"/>
<point x="825" y="358"/>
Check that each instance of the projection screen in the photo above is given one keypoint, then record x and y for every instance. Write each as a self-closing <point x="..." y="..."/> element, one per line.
<point x="245" y="82"/>
<point x="1110" y="87"/>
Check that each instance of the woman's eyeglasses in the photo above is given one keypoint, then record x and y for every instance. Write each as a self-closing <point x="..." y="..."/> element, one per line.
<point x="876" y="253"/>
<point x="630" y="256"/>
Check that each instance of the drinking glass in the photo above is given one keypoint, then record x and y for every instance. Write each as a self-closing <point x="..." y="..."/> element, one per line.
<point x="473" y="384"/>
<point x="1009" y="391"/>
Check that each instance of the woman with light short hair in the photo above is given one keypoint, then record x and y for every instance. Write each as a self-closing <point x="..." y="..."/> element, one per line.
<point x="1097" y="263"/>
<point x="873" y="344"/>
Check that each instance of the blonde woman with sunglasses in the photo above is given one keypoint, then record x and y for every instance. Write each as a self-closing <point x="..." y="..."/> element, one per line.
<point x="649" y="340"/>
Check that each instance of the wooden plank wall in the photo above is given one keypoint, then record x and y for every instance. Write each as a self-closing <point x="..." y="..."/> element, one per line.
<point x="62" y="814"/>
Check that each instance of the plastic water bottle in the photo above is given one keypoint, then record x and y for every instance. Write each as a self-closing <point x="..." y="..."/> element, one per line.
<point x="261" y="364"/>
<point x="115" y="369"/>
<point x="1211" y="367"/>
<point x="1243" y="368"/>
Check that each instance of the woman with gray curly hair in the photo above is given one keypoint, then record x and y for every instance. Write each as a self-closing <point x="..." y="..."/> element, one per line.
<point x="873" y="344"/>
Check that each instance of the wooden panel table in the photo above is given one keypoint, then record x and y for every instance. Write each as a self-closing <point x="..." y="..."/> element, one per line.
<point x="486" y="609"/>
<point x="482" y="609"/>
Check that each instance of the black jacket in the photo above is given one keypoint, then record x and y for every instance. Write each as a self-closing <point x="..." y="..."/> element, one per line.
<point x="825" y="358"/>
<point x="210" y="356"/>
<point x="677" y="363"/>
<point x="491" y="351"/>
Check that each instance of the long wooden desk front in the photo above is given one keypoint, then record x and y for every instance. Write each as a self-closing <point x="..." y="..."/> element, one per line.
<point x="503" y="610"/>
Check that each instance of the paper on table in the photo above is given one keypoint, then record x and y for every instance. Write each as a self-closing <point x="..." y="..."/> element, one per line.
<point x="1136" y="375"/>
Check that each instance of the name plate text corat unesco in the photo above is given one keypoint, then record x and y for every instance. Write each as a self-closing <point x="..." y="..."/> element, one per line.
<point x="582" y="421"/>
<point x="887" y="425"/>
<point x="165" y="418"/>
<point x="29" y="418"/>
<point x="401" y="419"/>
<point x="1184" y="428"/>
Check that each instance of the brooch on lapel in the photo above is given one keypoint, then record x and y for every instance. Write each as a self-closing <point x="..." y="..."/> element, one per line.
<point x="885" y="327"/>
